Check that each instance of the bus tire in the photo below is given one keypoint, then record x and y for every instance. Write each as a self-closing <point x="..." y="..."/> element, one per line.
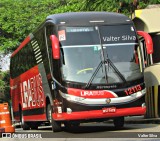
<point x="24" y="125"/>
<point x="56" y="125"/>
<point x="118" y="122"/>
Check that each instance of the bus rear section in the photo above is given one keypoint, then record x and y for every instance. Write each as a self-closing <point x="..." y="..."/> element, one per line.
<point x="93" y="71"/>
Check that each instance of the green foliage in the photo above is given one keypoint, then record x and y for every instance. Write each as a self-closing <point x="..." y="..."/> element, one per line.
<point x="4" y="86"/>
<point x="19" y="17"/>
<point x="99" y="5"/>
<point x="110" y="5"/>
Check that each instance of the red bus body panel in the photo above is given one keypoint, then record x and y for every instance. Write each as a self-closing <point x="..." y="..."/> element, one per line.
<point x="95" y="114"/>
<point x="27" y="92"/>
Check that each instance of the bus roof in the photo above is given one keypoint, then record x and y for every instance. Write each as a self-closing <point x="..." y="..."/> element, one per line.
<point x="79" y="18"/>
<point x="84" y="18"/>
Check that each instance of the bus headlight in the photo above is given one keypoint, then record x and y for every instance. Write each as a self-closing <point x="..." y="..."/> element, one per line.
<point x="69" y="110"/>
<point x="71" y="97"/>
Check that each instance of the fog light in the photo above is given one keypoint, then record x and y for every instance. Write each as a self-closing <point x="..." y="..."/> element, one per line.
<point x="143" y="105"/>
<point x="69" y="110"/>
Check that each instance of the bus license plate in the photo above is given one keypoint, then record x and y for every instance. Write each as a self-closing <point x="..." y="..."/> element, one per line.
<point x="109" y="110"/>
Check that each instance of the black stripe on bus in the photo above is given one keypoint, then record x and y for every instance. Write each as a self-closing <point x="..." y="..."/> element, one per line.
<point x="35" y="111"/>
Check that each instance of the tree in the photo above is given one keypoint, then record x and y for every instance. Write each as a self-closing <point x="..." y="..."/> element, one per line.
<point x="4" y="86"/>
<point x="123" y="6"/>
<point x="20" y="17"/>
<point x="100" y="5"/>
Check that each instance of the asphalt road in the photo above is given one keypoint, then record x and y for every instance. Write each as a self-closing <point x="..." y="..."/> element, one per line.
<point x="93" y="132"/>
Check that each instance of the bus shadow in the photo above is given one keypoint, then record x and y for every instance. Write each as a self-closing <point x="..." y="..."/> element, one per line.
<point x="85" y="128"/>
<point x="101" y="127"/>
<point x="92" y="128"/>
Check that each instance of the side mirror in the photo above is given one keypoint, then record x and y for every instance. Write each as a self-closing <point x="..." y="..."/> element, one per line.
<point x="55" y="47"/>
<point x="148" y="41"/>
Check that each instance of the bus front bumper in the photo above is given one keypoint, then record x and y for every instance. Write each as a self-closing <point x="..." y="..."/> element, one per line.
<point x="99" y="114"/>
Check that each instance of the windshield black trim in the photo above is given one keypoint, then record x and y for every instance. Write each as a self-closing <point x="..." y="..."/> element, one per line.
<point x="102" y="86"/>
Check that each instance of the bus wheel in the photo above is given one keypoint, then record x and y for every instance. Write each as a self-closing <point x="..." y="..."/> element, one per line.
<point x="24" y="125"/>
<point x="56" y="126"/>
<point x="118" y="122"/>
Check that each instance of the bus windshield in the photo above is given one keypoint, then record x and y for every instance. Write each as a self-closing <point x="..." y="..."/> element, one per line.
<point x="99" y="54"/>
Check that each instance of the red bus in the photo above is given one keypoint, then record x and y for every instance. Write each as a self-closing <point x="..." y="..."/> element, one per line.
<point x="79" y="67"/>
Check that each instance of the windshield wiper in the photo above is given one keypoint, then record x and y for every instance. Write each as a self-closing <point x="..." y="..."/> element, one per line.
<point x="93" y="75"/>
<point x="107" y="61"/>
<point x="115" y="69"/>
